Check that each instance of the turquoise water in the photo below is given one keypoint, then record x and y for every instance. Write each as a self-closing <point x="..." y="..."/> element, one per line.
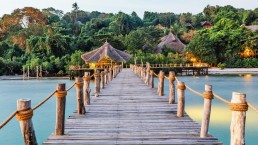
<point x="221" y="115"/>
<point x="44" y="118"/>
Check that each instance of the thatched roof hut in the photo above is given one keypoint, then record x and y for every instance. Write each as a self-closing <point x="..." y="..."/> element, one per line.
<point x="206" y="24"/>
<point x="252" y="27"/>
<point x="105" y="55"/>
<point x="172" y="42"/>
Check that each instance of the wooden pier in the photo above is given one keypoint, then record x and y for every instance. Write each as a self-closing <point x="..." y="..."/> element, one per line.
<point x="127" y="111"/>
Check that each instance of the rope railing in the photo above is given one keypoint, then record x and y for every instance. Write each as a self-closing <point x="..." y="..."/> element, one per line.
<point x="238" y="104"/>
<point x="34" y="108"/>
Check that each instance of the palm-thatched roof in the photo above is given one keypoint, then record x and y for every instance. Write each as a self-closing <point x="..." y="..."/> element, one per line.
<point x="106" y="50"/>
<point x="252" y="27"/>
<point x="172" y="42"/>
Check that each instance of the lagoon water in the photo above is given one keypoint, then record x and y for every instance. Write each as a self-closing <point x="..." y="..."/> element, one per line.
<point x="44" y="117"/>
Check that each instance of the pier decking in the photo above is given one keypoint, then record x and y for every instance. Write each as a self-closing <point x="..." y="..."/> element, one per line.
<point x="128" y="111"/>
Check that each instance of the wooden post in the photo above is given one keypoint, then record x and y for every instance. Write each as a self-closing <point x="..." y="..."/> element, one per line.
<point x="102" y="84"/>
<point x="114" y="72"/>
<point x="24" y="116"/>
<point x="238" y="107"/>
<point x="171" y="87"/>
<point x="147" y="80"/>
<point x="161" y="83"/>
<point x="86" y="88"/>
<point x="151" y="79"/>
<point x="97" y="83"/>
<point x="23" y="72"/>
<point x="106" y="76"/>
<point x="40" y="69"/>
<point x="181" y="99"/>
<point x="208" y="96"/>
<point x="79" y="94"/>
<point x="110" y="74"/>
<point x="37" y="71"/>
<point x="28" y="72"/>
<point x="60" y="109"/>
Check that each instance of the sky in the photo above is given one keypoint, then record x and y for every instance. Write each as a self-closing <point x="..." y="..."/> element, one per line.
<point x="127" y="6"/>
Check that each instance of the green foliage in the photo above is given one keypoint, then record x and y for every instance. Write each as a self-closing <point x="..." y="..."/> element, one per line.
<point x="56" y="40"/>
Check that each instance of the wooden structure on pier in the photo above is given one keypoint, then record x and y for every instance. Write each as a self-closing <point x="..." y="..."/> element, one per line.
<point x="105" y="56"/>
<point x="128" y="111"/>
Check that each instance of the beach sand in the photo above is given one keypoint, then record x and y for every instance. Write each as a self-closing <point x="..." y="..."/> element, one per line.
<point x="233" y="71"/>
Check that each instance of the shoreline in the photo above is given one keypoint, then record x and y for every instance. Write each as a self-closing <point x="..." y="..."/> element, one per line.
<point x="211" y="71"/>
<point x="232" y="71"/>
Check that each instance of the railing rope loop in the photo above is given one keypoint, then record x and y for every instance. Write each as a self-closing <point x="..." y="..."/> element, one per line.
<point x="208" y="95"/>
<point x="238" y="106"/>
<point x="61" y="94"/>
<point x="87" y="78"/>
<point x="23" y="115"/>
<point x="79" y="84"/>
<point x="181" y="87"/>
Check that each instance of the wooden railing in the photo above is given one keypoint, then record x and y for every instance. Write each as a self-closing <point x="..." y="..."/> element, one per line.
<point x="24" y="112"/>
<point x="238" y="104"/>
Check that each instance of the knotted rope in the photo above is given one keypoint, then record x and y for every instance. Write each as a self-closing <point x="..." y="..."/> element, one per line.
<point x="60" y="94"/>
<point x="181" y="87"/>
<point x="96" y="75"/>
<point x="87" y="78"/>
<point x="238" y="106"/>
<point x="79" y="84"/>
<point x="23" y="115"/>
<point x="207" y="95"/>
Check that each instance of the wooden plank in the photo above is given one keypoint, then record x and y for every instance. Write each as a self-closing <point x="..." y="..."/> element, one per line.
<point x="128" y="111"/>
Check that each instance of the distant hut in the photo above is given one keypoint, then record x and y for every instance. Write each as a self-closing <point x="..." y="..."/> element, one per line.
<point x="172" y="42"/>
<point x="206" y="24"/>
<point x="105" y="56"/>
<point x="189" y="26"/>
<point x="252" y="27"/>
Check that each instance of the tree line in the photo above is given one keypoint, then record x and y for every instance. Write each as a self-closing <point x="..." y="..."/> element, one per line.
<point x="55" y="40"/>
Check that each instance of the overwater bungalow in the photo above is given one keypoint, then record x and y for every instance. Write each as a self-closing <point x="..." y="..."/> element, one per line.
<point x="105" y="56"/>
<point x="172" y="42"/>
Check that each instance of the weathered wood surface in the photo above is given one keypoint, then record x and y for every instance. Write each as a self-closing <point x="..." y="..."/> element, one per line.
<point x="127" y="111"/>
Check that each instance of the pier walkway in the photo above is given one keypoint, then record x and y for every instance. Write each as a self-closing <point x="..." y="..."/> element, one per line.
<point x="128" y="111"/>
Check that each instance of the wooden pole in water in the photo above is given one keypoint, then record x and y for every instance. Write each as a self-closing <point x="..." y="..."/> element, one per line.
<point x="28" y="72"/>
<point x="60" y="109"/>
<point x="24" y="116"/>
<point x="79" y="94"/>
<point x="181" y="99"/>
<point x="102" y="84"/>
<point x="147" y="80"/>
<point x="238" y="107"/>
<point x="161" y="83"/>
<point x="37" y="71"/>
<point x="86" y="88"/>
<point x="97" y="83"/>
<point x="23" y="71"/>
<point x="171" y="87"/>
<point x="151" y="79"/>
<point x="208" y="96"/>
<point x="40" y="71"/>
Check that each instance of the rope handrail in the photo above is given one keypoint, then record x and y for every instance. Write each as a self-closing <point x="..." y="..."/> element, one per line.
<point x="192" y="90"/>
<point x="155" y="74"/>
<point x="71" y="87"/>
<point x="34" y="108"/>
<point x="252" y="107"/>
<point x="42" y="102"/>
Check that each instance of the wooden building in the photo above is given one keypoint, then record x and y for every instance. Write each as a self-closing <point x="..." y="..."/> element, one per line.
<point x="206" y="24"/>
<point x="105" y="56"/>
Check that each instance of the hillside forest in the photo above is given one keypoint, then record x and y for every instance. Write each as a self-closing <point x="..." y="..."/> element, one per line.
<point x="55" y="40"/>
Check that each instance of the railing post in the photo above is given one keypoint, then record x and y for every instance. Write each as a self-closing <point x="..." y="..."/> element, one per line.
<point x="151" y="79"/>
<point x="110" y="74"/>
<point x="106" y="76"/>
<point x="147" y="80"/>
<point x="79" y="94"/>
<point x="181" y="99"/>
<point x="171" y="87"/>
<point x="24" y="116"/>
<point x="86" y="88"/>
<point x="97" y="83"/>
<point x="208" y="96"/>
<point x="60" y="109"/>
<point x="161" y="83"/>
<point x="114" y="72"/>
<point x="238" y="106"/>
<point x="102" y="84"/>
